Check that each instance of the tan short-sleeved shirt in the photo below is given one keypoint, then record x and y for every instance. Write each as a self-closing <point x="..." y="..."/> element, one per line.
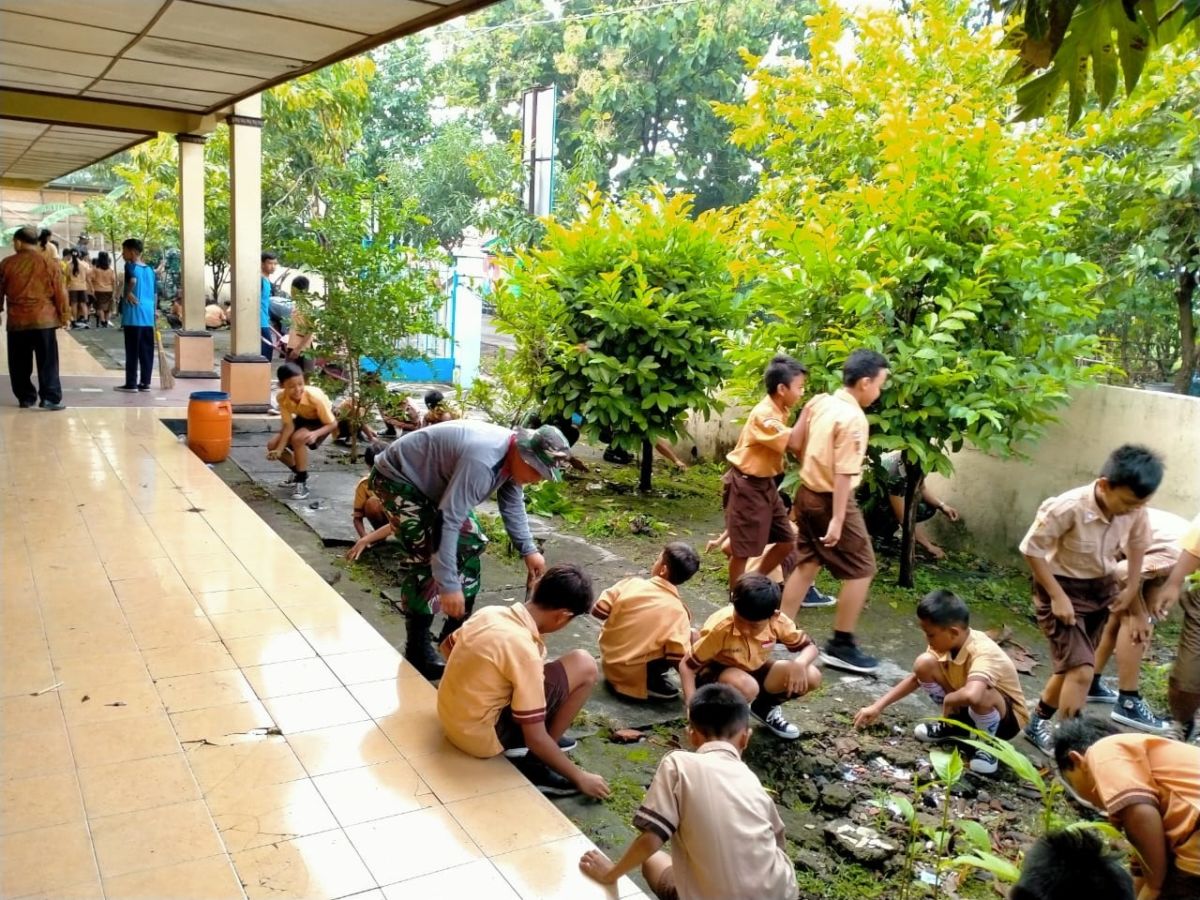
<point x="1141" y="768"/>
<point x="763" y="442"/>
<point x="78" y="281"/>
<point x="980" y="658"/>
<point x="495" y="661"/>
<point x="722" y="643"/>
<point x="362" y="493"/>
<point x="644" y="619"/>
<point x="727" y="839"/>
<point x="1191" y="541"/>
<point x="837" y="442"/>
<point x="1078" y="540"/>
<point x="314" y="404"/>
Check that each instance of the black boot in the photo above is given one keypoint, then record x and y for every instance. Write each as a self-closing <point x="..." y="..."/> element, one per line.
<point x="419" y="649"/>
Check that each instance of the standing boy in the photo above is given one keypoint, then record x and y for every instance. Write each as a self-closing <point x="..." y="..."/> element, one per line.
<point x="735" y="647"/>
<point x="498" y="695"/>
<point x="832" y="533"/>
<point x="34" y="295"/>
<point x="727" y="839"/>
<point x="269" y="262"/>
<point x="647" y="626"/>
<point x="137" y="318"/>
<point x="965" y="673"/>
<point x="1150" y="788"/>
<point x="306" y="420"/>
<point x="754" y="514"/>
<point x="1072" y="549"/>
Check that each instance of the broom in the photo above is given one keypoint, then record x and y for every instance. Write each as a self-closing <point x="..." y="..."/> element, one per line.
<point x="166" y="380"/>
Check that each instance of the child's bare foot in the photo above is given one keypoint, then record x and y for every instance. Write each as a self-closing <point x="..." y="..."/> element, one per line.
<point x="597" y="866"/>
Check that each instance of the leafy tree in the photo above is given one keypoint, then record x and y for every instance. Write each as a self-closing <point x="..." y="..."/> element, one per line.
<point x="1144" y="178"/>
<point x="898" y="212"/>
<point x="377" y="292"/>
<point x="625" y="315"/>
<point x="401" y="99"/>
<point x="1112" y="38"/>
<point x="145" y="204"/>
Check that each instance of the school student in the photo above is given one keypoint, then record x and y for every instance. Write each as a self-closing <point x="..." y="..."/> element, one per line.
<point x="1183" y="687"/>
<point x="102" y="283"/>
<point x="137" y="318"/>
<point x="1072" y="549"/>
<point x="647" y="627"/>
<point x="727" y="839"/>
<point x="1069" y="864"/>
<point x="306" y="420"/>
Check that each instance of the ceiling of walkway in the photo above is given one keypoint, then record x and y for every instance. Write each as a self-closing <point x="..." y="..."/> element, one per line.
<point x="126" y="68"/>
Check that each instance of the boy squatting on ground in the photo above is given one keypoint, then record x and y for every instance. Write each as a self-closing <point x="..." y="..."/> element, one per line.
<point x="963" y="671"/>
<point x="647" y="627"/>
<point x="735" y="647"/>
<point x="1072" y="549"/>
<point x="727" y="839"/>
<point x="1149" y="786"/>
<point x="498" y="695"/>
<point x="307" y="419"/>
<point x="755" y="516"/>
<point x="1166" y="531"/>
<point x="368" y="509"/>
<point x="832" y="533"/>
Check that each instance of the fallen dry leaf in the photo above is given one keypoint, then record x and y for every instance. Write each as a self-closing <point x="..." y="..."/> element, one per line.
<point x="626" y="736"/>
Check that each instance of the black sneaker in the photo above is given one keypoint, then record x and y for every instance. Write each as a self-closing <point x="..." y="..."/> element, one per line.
<point x="1101" y="693"/>
<point x="1040" y="733"/>
<point x="846" y="655"/>
<point x="659" y="687"/>
<point x="775" y="722"/>
<point x="544" y="778"/>
<point x="815" y="598"/>
<point x="143" y="388"/>
<point x="53" y="407"/>
<point x="567" y="744"/>
<point x="983" y="763"/>
<point x="300" y="490"/>
<point x="937" y="732"/>
<point x="25" y="405"/>
<point x="1133" y="712"/>
<point x="126" y="388"/>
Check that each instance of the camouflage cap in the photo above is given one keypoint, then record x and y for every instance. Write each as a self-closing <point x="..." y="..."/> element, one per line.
<point x="545" y="449"/>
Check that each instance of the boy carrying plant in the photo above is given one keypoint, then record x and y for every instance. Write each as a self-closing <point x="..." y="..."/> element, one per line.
<point x="965" y="673"/>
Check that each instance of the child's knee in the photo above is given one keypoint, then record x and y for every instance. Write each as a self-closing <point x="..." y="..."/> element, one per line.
<point x="926" y="667"/>
<point x="743" y="682"/>
<point x="297" y="440"/>
<point x="814" y="677"/>
<point x="581" y="668"/>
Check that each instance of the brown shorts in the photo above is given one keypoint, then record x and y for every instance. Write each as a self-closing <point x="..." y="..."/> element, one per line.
<point x="103" y="301"/>
<point x="312" y="425"/>
<point x="78" y="297"/>
<point x="754" y="514"/>
<point x="710" y="673"/>
<point x="1185" y="674"/>
<point x="1075" y="645"/>
<point x="852" y="557"/>
<point x="554" y="676"/>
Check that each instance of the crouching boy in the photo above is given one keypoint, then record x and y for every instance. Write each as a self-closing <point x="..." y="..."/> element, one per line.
<point x="965" y="673"/>
<point x="1150" y="788"/>
<point x="498" y="695"/>
<point x="647" y="626"/>
<point x="735" y="647"/>
<point x="727" y="839"/>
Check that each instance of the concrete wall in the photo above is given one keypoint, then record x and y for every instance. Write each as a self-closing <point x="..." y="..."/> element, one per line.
<point x="16" y="205"/>
<point x="998" y="497"/>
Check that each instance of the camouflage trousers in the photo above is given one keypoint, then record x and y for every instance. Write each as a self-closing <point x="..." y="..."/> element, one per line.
<point x="417" y="531"/>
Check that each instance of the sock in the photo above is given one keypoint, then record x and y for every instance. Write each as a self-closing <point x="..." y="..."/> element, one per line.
<point x="1045" y="710"/>
<point x="936" y="692"/>
<point x="1095" y="681"/>
<point x="843" y="637"/>
<point x="301" y="477"/>
<point x="1130" y="695"/>
<point x="988" y="721"/>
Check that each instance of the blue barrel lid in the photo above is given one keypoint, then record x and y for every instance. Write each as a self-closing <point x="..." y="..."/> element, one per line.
<point x="209" y="396"/>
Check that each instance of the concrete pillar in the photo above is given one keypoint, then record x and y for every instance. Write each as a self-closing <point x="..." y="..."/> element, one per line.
<point x="193" y="342"/>
<point x="245" y="374"/>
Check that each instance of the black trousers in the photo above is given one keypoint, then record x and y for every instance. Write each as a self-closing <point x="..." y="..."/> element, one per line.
<point x="23" y="348"/>
<point x="139" y="353"/>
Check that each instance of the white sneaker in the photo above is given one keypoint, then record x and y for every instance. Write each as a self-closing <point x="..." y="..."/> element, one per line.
<point x="983" y="763"/>
<point x="300" y="491"/>
<point x="775" y="722"/>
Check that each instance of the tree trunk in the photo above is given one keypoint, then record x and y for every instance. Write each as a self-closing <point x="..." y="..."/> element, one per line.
<point x="353" y="390"/>
<point x="1185" y="293"/>
<point x="913" y="478"/>
<point x="647" y="466"/>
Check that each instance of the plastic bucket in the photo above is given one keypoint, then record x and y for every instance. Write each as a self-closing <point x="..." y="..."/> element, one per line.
<point x="210" y="425"/>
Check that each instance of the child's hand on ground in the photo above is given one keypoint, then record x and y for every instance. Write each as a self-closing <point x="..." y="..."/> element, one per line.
<point x="598" y="867"/>
<point x="358" y="549"/>
<point x="593" y="785"/>
<point x="1062" y="609"/>
<point x="935" y="551"/>
<point x="868" y="715"/>
<point x="274" y="454"/>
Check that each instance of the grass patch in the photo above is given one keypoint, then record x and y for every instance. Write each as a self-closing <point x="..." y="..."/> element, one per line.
<point x="848" y="882"/>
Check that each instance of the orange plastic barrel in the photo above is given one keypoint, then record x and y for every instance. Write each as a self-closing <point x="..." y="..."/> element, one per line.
<point x="210" y="425"/>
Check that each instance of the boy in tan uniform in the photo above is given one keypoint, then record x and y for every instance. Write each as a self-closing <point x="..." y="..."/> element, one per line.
<point x="1183" y="688"/>
<point x="498" y="695"/>
<point x="754" y="514"/>
<point x="734" y="648"/>
<point x="1072" y="549"/>
<point x="832" y="532"/>
<point x="1150" y="788"/>
<point x="965" y="673"/>
<point x="647" y="626"/>
<point x="727" y="839"/>
<point x="307" y="419"/>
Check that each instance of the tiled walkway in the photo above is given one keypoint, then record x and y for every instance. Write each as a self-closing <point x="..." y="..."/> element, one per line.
<point x="190" y="711"/>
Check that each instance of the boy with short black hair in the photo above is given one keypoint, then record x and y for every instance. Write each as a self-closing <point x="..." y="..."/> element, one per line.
<point x="1069" y="864"/>
<point x="1072" y="549"/>
<point x="269" y="262"/>
<point x="832" y="533"/>
<point x="754" y="514"/>
<point x="437" y="409"/>
<point x="497" y="695"/>
<point x="306" y="420"/>
<point x="727" y="839"/>
<point x="647" y="627"/>
<point x="1149" y="786"/>
<point x="965" y="673"/>
<point x="734" y="648"/>
<point x="368" y="508"/>
<point x="137" y="318"/>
